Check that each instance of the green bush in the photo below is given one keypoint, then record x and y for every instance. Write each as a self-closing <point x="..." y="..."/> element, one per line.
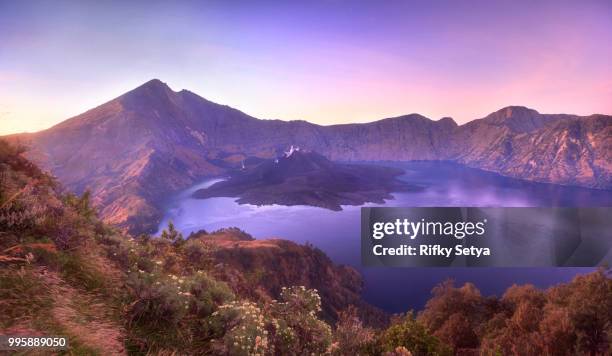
<point x="170" y="233"/>
<point x="245" y="329"/>
<point x="198" y="253"/>
<point x="289" y="326"/>
<point x="171" y="309"/>
<point x="409" y="333"/>
<point x="299" y="329"/>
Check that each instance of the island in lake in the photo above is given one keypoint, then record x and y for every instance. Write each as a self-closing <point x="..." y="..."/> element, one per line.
<point x="302" y="177"/>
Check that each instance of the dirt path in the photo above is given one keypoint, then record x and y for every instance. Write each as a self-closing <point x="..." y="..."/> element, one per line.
<point x="85" y="318"/>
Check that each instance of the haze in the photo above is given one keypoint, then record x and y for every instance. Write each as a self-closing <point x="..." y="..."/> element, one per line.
<point x="326" y="62"/>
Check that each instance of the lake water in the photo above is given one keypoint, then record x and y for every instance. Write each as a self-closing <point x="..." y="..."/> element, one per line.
<point x="337" y="232"/>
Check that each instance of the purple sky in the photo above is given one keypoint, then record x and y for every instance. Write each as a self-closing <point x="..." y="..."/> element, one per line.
<point x="326" y="62"/>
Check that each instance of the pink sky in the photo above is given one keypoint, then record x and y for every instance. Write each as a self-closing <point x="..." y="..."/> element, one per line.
<point x="327" y="62"/>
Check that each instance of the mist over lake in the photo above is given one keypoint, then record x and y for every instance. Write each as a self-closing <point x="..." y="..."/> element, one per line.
<point x="337" y="232"/>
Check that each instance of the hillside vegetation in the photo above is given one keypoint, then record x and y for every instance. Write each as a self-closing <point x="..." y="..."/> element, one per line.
<point x="63" y="272"/>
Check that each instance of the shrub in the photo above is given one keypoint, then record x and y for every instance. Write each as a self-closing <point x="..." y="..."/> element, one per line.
<point x="23" y="208"/>
<point x="198" y="253"/>
<point x="298" y="328"/>
<point x="171" y="233"/>
<point x="163" y="300"/>
<point x="208" y="294"/>
<point x="410" y="334"/>
<point x="245" y="327"/>
<point x="82" y="205"/>
<point x="285" y="327"/>
<point x="159" y="302"/>
<point x="350" y="336"/>
<point x="399" y="351"/>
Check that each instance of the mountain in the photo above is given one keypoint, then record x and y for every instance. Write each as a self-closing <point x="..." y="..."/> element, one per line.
<point x="519" y="142"/>
<point x="135" y="150"/>
<point x="301" y="177"/>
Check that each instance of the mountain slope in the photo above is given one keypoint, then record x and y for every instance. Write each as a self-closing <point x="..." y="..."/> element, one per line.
<point x="521" y="143"/>
<point x="135" y="150"/>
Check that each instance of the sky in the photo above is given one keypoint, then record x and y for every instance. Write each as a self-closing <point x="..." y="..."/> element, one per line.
<point x="327" y="62"/>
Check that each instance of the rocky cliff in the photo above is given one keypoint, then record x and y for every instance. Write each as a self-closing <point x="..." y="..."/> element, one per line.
<point x="260" y="268"/>
<point x="521" y="143"/>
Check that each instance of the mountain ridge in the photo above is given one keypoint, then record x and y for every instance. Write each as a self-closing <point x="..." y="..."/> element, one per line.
<point x="136" y="149"/>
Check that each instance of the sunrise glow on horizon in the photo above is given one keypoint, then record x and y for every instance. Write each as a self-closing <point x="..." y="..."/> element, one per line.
<point x="327" y="62"/>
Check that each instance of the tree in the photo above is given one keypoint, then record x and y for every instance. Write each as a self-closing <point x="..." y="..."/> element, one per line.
<point x="557" y="333"/>
<point x="588" y="299"/>
<point x="458" y="332"/>
<point x="171" y="233"/>
<point x="569" y="319"/>
<point x="454" y="315"/>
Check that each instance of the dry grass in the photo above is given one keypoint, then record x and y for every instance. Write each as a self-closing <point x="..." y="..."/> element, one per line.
<point x="85" y="317"/>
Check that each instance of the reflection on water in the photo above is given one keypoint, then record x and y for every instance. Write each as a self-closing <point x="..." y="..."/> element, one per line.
<point x="337" y="233"/>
